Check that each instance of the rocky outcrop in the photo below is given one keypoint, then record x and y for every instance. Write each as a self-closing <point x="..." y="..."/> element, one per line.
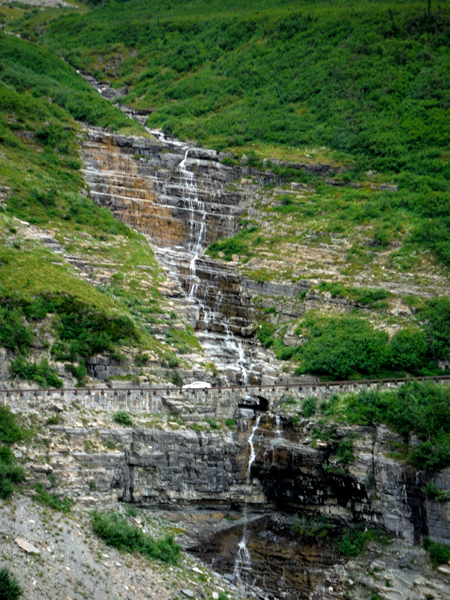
<point x="294" y="471"/>
<point x="160" y="189"/>
<point x="179" y="456"/>
<point x="169" y="468"/>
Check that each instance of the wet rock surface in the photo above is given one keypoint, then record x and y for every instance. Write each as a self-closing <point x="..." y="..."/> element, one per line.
<point x="282" y="563"/>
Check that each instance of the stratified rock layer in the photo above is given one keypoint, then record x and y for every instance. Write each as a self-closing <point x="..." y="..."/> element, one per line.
<point x="160" y="189"/>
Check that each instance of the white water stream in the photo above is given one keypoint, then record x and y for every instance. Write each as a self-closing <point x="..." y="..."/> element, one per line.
<point x="278" y="429"/>
<point x="243" y="559"/>
<point x="197" y="244"/>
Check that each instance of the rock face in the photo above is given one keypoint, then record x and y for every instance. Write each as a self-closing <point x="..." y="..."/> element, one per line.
<point x="180" y="197"/>
<point x="267" y="470"/>
<point x="177" y="196"/>
<point x="163" y="190"/>
<point x="282" y="562"/>
<point x="292" y="472"/>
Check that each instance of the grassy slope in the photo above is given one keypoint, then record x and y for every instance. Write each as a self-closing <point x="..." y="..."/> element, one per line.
<point x="365" y="86"/>
<point x="43" y="193"/>
<point x="370" y="80"/>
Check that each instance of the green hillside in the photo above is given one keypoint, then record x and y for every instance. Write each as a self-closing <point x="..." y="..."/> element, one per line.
<point x="44" y="303"/>
<point x="364" y="87"/>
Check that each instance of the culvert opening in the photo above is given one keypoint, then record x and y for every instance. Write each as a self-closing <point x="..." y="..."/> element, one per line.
<point x="258" y="403"/>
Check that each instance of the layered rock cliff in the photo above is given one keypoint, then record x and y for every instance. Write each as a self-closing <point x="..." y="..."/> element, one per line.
<point x="186" y="462"/>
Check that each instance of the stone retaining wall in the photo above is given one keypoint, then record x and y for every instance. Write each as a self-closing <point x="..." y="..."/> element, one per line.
<point x="221" y="402"/>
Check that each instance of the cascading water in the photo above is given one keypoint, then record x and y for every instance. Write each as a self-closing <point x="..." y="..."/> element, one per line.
<point x="196" y="247"/>
<point x="197" y="228"/>
<point x="278" y="429"/>
<point x="243" y="558"/>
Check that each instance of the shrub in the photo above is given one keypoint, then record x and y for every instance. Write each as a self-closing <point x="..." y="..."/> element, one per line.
<point x="116" y="531"/>
<point x="436" y="315"/>
<point x="353" y="540"/>
<point x="10" y="432"/>
<point x="311" y="527"/>
<point x="286" y="200"/>
<point x="212" y="422"/>
<point x="230" y="423"/>
<point x="345" y="453"/>
<point x="63" y="504"/>
<point x="432" y="492"/>
<point x="79" y="372"/>
<point x="40" y="372"/>
<point x="340" y="346"/>
<point x="54" y="420"/>
<point x="408" y="350"/>
<point x="14" y="334"/>
<point x="229" y="162"/>
<point x="439" y="553"/>
<point x="328" y="407"/>
<point x="309" y="407"/>
<point x="123" y="418"/>
<point x="423" y="409"/>
<point x="9" y="586"/>
<point x="229" y="246"/>
<point x="10" y="474"/>
<point x="265" y="334"/>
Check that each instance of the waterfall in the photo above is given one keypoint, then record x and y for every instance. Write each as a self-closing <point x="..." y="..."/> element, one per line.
<point x="197" y="243"/>
<point x="197" y="228"/>
<point x="243" y="559"/>
<point x="278" y="429"/>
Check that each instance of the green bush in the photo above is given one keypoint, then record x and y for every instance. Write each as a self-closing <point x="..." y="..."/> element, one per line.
<point x="54" y="420"/>
<point x="366" y="296"/>
<point x="341" y="346"/>
<point x="117" y="532"/>
<point x="328" y="407"/>
<point x="316" y="527"/>
<point x="123" y="418"/>
<point x="212" y="422"/>
<point x="14" y="334"/>
<point x="439" y="553"/>
<point x="10" y="474"/>
<point x="432" y="492"/>
<point x="409" y="350"/>
<point x="9" y="586"/>
<point x="265" y="334"/>
<point x="423" y="409"/>
<point x="309" y="407"/>
<point x="63" y="504"/>
<point x="229" y="246"/>
<point x="436" y="315"/>
<point x="345" y="452"/>
<point x="354" y="539"/>
<point x="82" y="331"/>
<point x="10" y="432"/>
<point x="40" y="372"/>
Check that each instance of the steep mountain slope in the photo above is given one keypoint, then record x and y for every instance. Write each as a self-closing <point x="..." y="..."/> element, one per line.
<point x="74" y="281"/>
<point x="322" y="195"/>
<point x="333" y="122"/>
